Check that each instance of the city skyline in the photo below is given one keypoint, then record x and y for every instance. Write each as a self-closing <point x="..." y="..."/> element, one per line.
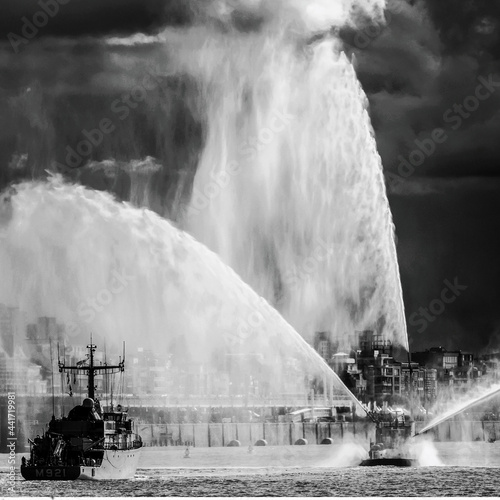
<point x="152" y="374"/>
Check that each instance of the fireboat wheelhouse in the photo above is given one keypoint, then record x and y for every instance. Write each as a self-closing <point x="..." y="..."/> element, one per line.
<point x="392" y="433"/>
<point x="89" y="443"/>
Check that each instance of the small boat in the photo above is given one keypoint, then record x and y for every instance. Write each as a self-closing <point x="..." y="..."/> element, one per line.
<point x="89" y="443"/>
<point x="386" y="456"/>
<point x="391" y="446"/>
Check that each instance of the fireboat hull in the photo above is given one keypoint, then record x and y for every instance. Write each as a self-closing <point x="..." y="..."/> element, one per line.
<point x="119" y="464"/>
<point x="395" y="462"/>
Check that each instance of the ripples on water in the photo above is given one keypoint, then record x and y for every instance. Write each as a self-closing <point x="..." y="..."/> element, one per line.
<point x="471" y="469"/>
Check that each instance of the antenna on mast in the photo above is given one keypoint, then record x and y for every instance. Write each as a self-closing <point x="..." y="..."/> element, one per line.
<point x="52" y="377"/>
<point x="91" y="370"/>
<point x="62" y="380"/>
<point x="106" y="381"/>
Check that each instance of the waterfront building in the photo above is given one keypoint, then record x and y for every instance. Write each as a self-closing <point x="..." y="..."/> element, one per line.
<point x="455" y="370"/>
<point x="489" y="365"/>
<point x="373" y="375"/>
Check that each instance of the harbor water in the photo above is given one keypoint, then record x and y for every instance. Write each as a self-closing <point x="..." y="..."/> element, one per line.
<point x="447" y="469"/>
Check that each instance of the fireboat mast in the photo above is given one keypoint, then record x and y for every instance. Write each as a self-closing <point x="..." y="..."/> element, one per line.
<point x="91" y="442"/>
<point x="91" y="371"/>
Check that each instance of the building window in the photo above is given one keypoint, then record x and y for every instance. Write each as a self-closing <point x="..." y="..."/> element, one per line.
<point x="323" y="349"/>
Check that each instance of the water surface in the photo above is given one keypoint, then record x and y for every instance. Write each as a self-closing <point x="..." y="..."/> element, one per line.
<point x="468" y="469"/>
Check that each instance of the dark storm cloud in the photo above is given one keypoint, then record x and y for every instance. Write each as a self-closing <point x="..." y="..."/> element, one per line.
<point x="467" y="26"/>
<point x="92" y="17"/>
<point x="417" y="81"/>
<point x="422" y="72"/>
<point x="448" y="230"/>
<point x="429" y="58"/>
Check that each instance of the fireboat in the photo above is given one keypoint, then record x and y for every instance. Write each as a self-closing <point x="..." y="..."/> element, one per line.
<point x="89" y="443"/>
<point x="392" y="433"/>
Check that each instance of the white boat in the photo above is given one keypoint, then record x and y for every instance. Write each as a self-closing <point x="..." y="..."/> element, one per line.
<point x="89" y="443"/>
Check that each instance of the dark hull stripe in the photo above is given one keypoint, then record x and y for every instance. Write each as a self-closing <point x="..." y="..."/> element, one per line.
<point x="397" y="462"/>
<point x="50" y="473"/>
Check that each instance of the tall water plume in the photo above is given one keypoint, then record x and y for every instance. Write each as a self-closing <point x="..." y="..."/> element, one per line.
<point x="289" y="188"/>
<point x="456" y="405"/>
<point x="288" y="191"/>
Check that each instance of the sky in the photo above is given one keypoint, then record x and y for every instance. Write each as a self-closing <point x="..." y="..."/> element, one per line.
<point x="420" y="74"/>
<point x="432" y="77"/>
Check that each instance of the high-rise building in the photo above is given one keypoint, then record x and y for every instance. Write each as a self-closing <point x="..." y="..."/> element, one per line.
<point x="41" y="348"/>
<point x="12" y="328"/>
<point x="322" y="344"/>
<point x="19" y="375"/>
<point x="148" y="374"/>
<point x="45" y="329"/>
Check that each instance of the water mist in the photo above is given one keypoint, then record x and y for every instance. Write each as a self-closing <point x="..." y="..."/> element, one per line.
<point x="288" y="194"/>
<point x="289" y="188"/>
<point x="126" y="274"/>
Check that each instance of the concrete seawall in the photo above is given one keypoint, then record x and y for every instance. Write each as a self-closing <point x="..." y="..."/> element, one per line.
<point x="275" y="434"/>
<point x="280" y="434"/>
